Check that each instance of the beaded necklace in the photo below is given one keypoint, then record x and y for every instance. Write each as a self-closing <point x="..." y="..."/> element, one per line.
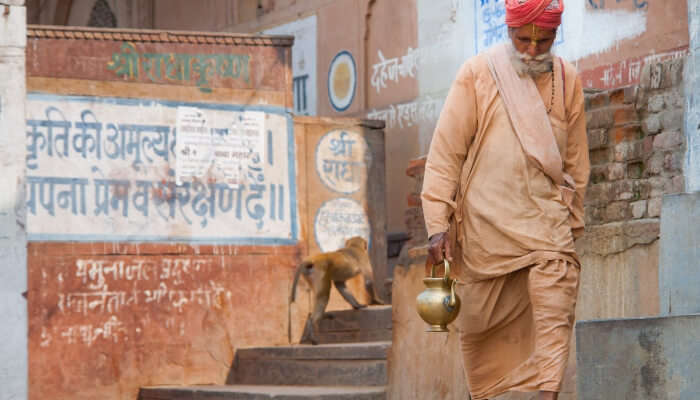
<point x="551" y="99"/>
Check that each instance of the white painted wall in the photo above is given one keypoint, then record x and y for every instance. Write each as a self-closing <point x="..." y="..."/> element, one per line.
<point x="13" y="242"/>
<point x="608" y="27"/>
<point x="454" y="30"/>
<point x="86" y="186"/>
<point x="692" y="106"/>
<point x="303" y="62"/>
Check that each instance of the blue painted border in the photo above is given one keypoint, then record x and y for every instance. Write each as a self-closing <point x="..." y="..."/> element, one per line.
<point x="291" y="159"/>
<point x="354" y="87"/>
<point x="316" y="162"/>
<point x="318" y="243"/>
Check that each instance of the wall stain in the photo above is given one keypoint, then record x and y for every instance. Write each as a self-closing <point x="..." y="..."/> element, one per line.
<point x="653" y="372"/>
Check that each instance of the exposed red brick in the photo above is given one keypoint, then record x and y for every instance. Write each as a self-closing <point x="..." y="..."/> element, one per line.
<point x="600" y="156"/>
<point x="599" y="194"/>
<point x="625" y="115"/>
<point x="413" y="200"/>
<point x="416" y="166"/>
<point x="622" y="190"/>
<point x="635" y="170"/>
<point x="600" y="118"/>
<point x="617" y="211"/>
<point x="599" y="173"/>
<point x="616" y="171"/>
<point x="648" y="144"/>
<point x="597" y="138"/>
<point x="598" y="100"/>
<point x="625" y="133"/>
<point x="617" y="96"/>
<point x="667" y="140"/>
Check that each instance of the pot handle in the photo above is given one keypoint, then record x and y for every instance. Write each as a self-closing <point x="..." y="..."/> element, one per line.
<point x="447" y="270"/>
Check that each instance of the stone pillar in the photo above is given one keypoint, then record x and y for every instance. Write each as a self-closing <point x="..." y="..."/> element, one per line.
<point x="13" y="239"/>
<point x="692" y="103"/>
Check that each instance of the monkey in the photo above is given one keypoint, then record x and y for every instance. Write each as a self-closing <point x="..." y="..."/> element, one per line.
<point x="337" y="267"/>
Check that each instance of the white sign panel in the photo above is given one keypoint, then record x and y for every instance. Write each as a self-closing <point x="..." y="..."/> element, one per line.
<point x="303" y="62"/>
<point x="343" y="161"/>
<point x="338" y="220"/>
<point x="103" y="169"/>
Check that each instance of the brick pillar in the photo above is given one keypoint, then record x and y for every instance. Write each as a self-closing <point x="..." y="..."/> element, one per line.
<point x="415" y="223"/>
<point x="13" y="241"/>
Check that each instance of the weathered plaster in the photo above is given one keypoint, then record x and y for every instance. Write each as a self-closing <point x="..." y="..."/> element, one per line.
<point x="692" y="102"/>
<point x="13" y="252"/>
<point x="612" y="27"/>
<point x="303" y="62"/>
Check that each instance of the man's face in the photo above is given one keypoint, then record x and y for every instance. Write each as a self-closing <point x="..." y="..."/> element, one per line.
<point x="532" y="40"/>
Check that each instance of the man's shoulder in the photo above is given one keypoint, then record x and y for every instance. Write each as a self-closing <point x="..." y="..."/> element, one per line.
<point x="474" y="66"/>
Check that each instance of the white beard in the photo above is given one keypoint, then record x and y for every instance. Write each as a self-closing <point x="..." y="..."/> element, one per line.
<point x="526" y="64"/>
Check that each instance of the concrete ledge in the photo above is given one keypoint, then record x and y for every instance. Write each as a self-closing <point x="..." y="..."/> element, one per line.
<point x="342" y="351"/>
<point x="640" y="359"/>
<point x="255" y="392"/>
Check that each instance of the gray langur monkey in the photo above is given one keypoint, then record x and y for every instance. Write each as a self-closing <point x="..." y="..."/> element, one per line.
<point x="337" y="267"/>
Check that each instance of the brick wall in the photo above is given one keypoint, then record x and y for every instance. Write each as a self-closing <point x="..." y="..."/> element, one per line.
<point x="637" y="147"/>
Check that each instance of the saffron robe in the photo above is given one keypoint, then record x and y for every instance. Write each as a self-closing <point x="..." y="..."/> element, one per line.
<point x="510" y="228"/>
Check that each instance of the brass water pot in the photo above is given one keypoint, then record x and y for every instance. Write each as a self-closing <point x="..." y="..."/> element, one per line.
<point x="438" y="304"/>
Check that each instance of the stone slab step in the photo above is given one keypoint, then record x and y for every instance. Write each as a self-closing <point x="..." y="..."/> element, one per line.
<point x="322" y="365"/>
<point x="351" y="326"/>
<point x="254" y="392"/>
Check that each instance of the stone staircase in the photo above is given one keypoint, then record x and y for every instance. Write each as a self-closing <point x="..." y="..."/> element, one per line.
<point x="350" y="363"/>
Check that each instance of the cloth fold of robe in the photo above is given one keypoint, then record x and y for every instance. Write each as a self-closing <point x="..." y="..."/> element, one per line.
<point x="523" y="344"/>
<point x="512" y="232"/>
<point x="531" y="124"/>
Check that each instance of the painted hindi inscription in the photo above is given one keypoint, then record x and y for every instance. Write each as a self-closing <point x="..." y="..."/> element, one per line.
<point x="338" y="220"/>
<point x="343" y="161"/>
<point x="129" y="64"/>
<point x="104" y="169"/>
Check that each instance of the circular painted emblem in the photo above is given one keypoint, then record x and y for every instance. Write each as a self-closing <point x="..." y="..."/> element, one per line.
<point x="342" y="81"/>
<point x="343" y="160"/>
<point x="338" y="220"/>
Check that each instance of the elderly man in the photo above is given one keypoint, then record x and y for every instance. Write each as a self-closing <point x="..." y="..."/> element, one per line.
<point x="503" y="193"/>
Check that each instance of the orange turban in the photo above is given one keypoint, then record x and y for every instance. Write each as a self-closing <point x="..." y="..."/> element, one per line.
<point x="544" y="13"/>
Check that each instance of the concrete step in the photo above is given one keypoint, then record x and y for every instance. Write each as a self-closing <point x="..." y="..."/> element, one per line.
<point x="639" y="358"/>
<point x="351" y="326"/>
<point x="362" y="364"/>
<point x="253" y="392"/>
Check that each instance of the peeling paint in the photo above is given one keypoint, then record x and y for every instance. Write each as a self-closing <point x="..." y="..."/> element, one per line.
<point x="602" y="30"/>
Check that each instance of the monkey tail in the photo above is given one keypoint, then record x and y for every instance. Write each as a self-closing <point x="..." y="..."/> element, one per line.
<point x="292" y="296"/>
<point x="371" y="289"/>
<point x="304" y="265"/>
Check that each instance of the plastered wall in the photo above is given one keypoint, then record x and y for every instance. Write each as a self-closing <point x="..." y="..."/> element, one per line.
<point x="13" y="235"/>
<point x="150" y="258"/>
